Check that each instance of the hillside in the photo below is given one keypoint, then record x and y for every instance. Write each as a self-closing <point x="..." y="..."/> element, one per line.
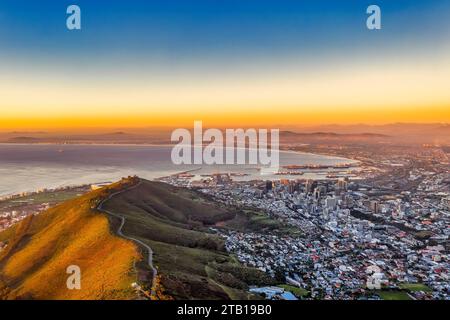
<point x="174" y="222"/>
<point x="191" y="262"/>
<point x="40" y="248"/>
<point x="290" y="137"/>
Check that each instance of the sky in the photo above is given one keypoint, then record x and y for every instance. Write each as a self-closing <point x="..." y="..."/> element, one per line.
<point x="227" y="62"/>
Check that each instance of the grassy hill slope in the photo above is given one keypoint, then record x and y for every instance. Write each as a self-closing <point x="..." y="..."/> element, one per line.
<point x="192" y="262"/>
<point x="40" y="248"/>
<point x="174" y="222"/>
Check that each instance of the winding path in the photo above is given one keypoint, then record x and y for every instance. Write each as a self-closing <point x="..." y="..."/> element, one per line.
<point x="120" y="233"/>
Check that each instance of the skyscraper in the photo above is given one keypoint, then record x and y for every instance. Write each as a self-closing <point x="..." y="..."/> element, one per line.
<point x="374" y="206"/>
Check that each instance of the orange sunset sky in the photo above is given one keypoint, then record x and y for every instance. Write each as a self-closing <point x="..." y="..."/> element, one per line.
<point x="350" y="94"/>
<point x="237" y="65"/>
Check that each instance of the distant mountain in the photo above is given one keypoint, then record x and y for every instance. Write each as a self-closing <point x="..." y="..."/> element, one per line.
<point x="24" y="139"/>
<point x="411" y="133"/>
<point x="388" y="129"/>
<point x="332" y="134"/>
<point x="291" y="137"/>
<point x="117" y="133"/>
<point x="444" y="127"/>
<point x="27" y="132"/>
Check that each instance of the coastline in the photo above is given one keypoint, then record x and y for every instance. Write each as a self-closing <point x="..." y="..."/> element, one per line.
<point x="160" y="145"/>
<point x="94" y="172"/>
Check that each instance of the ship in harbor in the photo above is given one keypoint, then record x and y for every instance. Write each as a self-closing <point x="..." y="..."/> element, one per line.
<point x="290" y="173"/>
<point x="318" y="166"/>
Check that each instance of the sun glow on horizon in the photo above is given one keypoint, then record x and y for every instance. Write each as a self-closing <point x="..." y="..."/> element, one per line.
<point x="302" y="73"/>
<point x="347" y="93"/>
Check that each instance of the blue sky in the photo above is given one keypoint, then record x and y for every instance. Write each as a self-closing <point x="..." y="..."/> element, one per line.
<point x="301" y="60"/>
<point x="207" y="29"/>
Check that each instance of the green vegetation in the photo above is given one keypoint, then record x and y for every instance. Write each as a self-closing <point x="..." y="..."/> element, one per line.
<point x="393" y="295"/>
<point x="424" y="234"/>
<point x="256" y="221"/>
<point x="413" y="287"/>
<point x="51" y="197"/>
<point x="298" y="292"/>
<point x="174" y="222"/>
<point x="192" y="262"/>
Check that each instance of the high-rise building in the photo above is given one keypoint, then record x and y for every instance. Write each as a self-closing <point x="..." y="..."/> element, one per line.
<point x="297" y="186"/>
<point x="342" y="185"/>
<point x="310" y="185"/>
<point x="331" y="202"/>
<point x="291" y="187"/>
<point x="269" y="185"/>
<point x="317" y="193"/>
<point x="375" y="206"/>
<point x="446" y="202"/>
<point x="347" y="201"/>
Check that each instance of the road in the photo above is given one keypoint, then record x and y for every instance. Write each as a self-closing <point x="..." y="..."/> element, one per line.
<point x="120" y="233"/>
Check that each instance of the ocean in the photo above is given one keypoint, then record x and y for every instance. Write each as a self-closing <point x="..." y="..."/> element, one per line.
<point x="29" y="167"/>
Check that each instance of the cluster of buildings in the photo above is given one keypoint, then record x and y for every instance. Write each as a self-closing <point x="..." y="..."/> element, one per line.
<point x="353" y="237"/>
<point x="14" y="208"/>
<point x="9" y="218"/>
<point x="274" y="293"/>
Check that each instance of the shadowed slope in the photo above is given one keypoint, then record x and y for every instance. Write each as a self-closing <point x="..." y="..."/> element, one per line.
<point x="191" y="262"/>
